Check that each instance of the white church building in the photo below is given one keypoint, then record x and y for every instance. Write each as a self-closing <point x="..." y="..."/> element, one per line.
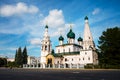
<point x="70" y="53"/>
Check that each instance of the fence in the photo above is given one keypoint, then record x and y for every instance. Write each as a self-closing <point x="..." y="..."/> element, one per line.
<point x="41" y="66"/>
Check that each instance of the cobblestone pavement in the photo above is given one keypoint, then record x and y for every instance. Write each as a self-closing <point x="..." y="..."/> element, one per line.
<point x="58" y="74"/>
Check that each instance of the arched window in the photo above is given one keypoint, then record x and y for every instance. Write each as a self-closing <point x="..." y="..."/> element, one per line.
<point x="72" y="59"/>
<point x="65" y="59"/>
<point x="88" y="58"/>
<point x="83" y="58"/>
<point x="45" y="47"/>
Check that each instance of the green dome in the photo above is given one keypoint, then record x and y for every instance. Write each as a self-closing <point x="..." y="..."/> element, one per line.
<point x="61" y="38"/>
<point x="46" y="26"/>
<point x="71" y="34"/>
<point x="86" y="18"/>
<point x="80" y="39"/>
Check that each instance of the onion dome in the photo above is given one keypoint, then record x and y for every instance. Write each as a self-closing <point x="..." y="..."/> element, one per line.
<point x="61" y="38"/>
<point x="80" y="39"/>
<point x="86" y="18"/>
<point x="71" y="34"/>
<point x="46" y="26"/>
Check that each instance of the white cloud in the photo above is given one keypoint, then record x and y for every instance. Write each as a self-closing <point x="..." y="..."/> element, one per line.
<point x="95" y="11"/>
<point x="19" y="8"/>
<point x="35" y="41"/>
<point x="55" y="19"/>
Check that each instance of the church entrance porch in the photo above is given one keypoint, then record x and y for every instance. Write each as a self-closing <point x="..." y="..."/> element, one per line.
<point x="49" y="62"/>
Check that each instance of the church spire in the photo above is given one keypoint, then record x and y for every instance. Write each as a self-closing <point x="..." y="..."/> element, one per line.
<point x="46" y="31"/>
<point x="87" y="32"/>
<point x="88" y="40"/>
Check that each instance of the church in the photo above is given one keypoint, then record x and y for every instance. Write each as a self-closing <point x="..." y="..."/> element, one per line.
<point x="83" y="52"/>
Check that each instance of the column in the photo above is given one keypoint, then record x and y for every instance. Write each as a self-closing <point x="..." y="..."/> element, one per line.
<point x="70" y="65"/>
<point x="78" y="66"/>
<point x="43" y="65"/>
<point x="64" y="65"/>
<point x="53" y="66"/>
<point x="58" y="65"/>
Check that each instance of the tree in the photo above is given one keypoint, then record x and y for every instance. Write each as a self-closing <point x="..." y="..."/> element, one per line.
<point x="16" y="56"/>
<point x="24" y="55"/>
<point x="109" y="47"/>
<point x="3" y="62"/>
<point x="53" y="52"/>
<point x="19" y="57"/>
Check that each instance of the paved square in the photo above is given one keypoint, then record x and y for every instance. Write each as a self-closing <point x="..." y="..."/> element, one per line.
<point x="58" y="74"/>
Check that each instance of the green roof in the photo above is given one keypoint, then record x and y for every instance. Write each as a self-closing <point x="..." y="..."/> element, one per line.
<point x="65" y="53"/>
<point x="68" y="44"/>
<point x="46" y="26"/>
<point x="57" y="55"/>
<point x="61" y="38"/>
<point x="86" y="18"/>
<point x="80" y="39"/>
<point x="71" y="34"/>
<point x="68" y="53"/>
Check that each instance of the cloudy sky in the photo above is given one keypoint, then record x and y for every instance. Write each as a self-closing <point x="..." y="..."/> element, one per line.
<point x="22" y="22"/>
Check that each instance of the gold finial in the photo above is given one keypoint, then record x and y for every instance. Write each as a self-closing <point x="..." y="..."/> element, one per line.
<point x="46" y="22"/>
<point x="70" y="26"/>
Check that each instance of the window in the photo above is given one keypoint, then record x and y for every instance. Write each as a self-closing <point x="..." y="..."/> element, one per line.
<point x="85" y="53"/>
<point x="69" y="49"/>
<point x="45" y="47"/>
<point x="72" y="59"/>
<point x="88" y="58"/>
<point x="89" y="37"/>
<point x="83" y="58"/>
<point x="79" y="59"/>
<point x="65" y="59"/>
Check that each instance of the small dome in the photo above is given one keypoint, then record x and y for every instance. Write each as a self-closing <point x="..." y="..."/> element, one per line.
<point x="61" y="38"/>
<point x="71" y="34"/>
<point x="86" y="18"/>
<point x="80" y="39"/>
<point x="46" y="26"/>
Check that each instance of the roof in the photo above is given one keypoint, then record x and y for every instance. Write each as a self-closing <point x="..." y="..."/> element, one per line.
<point x="68" y="53"/>
<point x="86" y="18"/>
<point x="80" y="39"/>
<point x="71" y="34"/>
<point x="46" y="26"/>
<point x="69" y="44"/>
<point x="61" y="38"/>
<point x="65" y="53"/>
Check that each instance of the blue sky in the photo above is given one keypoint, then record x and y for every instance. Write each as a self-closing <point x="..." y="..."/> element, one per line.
<point x="22" y="21"/>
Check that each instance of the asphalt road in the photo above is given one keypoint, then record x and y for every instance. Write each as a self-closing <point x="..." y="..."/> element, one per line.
<point x="58" y="74"/>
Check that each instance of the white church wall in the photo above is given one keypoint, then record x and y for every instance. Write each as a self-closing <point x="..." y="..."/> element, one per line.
<point x="31" y="60"/>
<point x="86" y="57"/>
<point x="67" y="48"/>
<point x="71" y="59"/>
<point x="57" y="61"/>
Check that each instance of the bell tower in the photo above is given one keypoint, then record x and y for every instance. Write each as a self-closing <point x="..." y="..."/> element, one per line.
<point x="45" y="46"/>
<point x="87" y="39"/>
